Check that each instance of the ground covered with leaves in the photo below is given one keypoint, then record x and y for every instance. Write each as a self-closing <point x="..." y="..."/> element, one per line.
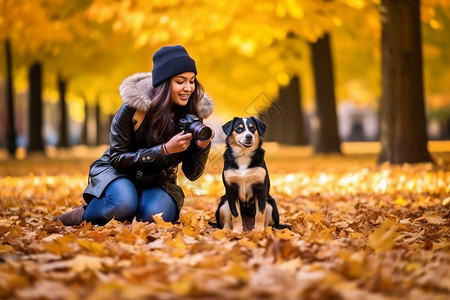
<point x="359" y="231"/>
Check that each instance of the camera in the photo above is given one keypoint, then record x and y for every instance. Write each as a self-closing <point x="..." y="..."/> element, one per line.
<point x="191" y="123"/>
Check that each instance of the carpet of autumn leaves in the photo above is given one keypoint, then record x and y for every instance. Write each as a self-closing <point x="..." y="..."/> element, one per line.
<point x="359" y="231"/>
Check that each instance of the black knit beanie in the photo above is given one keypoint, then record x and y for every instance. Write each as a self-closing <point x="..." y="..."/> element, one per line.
<point x="170" y="61"/>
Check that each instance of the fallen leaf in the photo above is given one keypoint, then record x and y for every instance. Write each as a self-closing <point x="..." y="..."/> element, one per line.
<point x="177" y="244"/>
<point x="61" y="245"/>
<point x="383" y="238"/>
<point x="446" y="201"/>
<point x="5" y="248"/>
<point x="401" y="201"/>
<point x="183" y="285"/>
<point x="219" y="234"/>
<point x="94" y="247"/>
<point x="236" y="269"/>
<point x="161" y="223"/>
<point x="191" y="225"/>
<point x="284" y="234"/>
<point x="126" y="236"/>
<point x="433" y="219"/>
<point x="83" y="263"/>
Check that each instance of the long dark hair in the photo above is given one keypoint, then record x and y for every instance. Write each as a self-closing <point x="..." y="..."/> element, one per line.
<point x="163" y="120"/>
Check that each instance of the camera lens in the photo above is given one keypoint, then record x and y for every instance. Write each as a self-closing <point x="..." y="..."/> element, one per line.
<point x="200" y="131"/>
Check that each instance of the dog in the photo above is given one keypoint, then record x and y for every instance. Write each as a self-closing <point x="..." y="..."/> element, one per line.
<point x="247" y="203"/>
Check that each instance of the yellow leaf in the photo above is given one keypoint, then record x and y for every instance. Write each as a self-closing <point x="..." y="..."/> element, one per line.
<point x="354" y="262"/>
<point x="94" y="247"/>
<point x="160" y="221"/>
<point x="61" y="245"/>
<point x="442" y="245"/>
<point x="284" y="234"/>
<point x="317" y="217"/>
<point x="413" y="266"/>
<point x="382" y="239"/>
<point x="11" y="280"/>
<point x="15" y="231"/>
<point x="268" y="230"/>
<point x="191" y="226"/>
<point x="401" y="201"/>
<point x="356" y="235"/>
<point x="219" y="234"/>
<point x="126" y="236"/>
<point x="446" y="201"/>
<point x="178" y="245"/>
<point x="257" y="236"/>
<point x="183" y="285"/>
<point x="248" y="244"/>
<point x="138" y="229"/>
<point x="82" y="263"/>
<point x="5" y="248"/>
<point x="236" y="269"/>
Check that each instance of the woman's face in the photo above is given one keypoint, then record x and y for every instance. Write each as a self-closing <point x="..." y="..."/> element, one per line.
<point x="182" y="86"/>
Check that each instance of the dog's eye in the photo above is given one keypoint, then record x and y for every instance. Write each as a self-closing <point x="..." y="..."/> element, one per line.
<point x="252" y="127"/>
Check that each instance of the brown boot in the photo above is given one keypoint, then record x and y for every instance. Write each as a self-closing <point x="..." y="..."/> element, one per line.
<point x="74" y="217"/>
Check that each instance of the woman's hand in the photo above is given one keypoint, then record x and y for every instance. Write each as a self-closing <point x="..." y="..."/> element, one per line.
<point x="203" y="144"/>
<point x="179" y="142"/>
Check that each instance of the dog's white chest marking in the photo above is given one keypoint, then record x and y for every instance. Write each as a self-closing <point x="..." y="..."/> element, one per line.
<point x="243" y="161"/>
<point x="245" y="179"/>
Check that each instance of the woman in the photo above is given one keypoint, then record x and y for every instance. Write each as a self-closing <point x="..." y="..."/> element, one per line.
<point x="136" y="176"/>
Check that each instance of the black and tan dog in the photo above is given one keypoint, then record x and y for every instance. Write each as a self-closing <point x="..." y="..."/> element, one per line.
<point x="246" y="203"/>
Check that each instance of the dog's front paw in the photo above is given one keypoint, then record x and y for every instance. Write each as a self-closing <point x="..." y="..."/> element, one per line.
<point x="226" y="226"/>
<point x="259" y="227"/>
<point x="237" y="225"/>
<point x="238" y="229"/>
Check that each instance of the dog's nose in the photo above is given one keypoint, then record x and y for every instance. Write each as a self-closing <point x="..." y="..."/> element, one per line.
<point x="248" y="137"/>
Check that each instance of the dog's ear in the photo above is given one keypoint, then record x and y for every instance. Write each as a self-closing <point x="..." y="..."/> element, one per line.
<point x="260" y="125"/>
<point x="228" y="127"/>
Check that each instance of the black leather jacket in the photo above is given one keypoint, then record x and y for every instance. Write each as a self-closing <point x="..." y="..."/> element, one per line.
<point x="134" y="155"/>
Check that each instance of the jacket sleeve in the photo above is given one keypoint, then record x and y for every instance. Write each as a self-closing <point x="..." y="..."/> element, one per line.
<point x="194" y="161"/>
<point x="123" y="157"/>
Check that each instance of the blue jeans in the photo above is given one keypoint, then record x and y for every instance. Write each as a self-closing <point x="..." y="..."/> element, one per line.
<point x="122" y="201"/>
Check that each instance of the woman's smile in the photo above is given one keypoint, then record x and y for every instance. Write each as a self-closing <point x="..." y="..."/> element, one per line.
<point x="184" y="97"/>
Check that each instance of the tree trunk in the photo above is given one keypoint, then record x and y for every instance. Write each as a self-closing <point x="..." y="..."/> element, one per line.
<point x="11" y="134"/>
<point x="106" y="128"/>
<point x="63" y="132"/>
<point x="325" y="136"/>
<point x="284" y="118"/>
<point x="403" y="125"/>
<point x="35" y="142"/>
<point x="292" y="120"/>
<point x="98" y="123"/>
<point x="84" y="137"/>
<point x="271" y="113"/>
<point x="273" y="117"/>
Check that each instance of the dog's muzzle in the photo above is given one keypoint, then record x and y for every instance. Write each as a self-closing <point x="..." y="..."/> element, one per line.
<point x="248" y="141"/>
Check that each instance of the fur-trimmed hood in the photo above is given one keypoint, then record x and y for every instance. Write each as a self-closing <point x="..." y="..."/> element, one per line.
<point x="137" y="91"/>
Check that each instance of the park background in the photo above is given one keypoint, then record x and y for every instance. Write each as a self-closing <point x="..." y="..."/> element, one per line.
<point x="62" y="62"/>
<point x="356" y="96"/>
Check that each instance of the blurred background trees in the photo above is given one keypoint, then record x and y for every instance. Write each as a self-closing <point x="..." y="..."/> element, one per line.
<point x="267" y="58"/>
